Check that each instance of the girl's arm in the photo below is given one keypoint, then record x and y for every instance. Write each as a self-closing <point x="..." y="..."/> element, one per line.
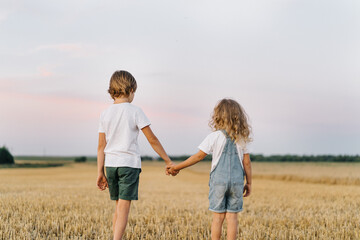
<point x="156" y="145"/>
<point x="101" y="181"/>
<point x="247" y="168"/>
<point x="197" y="157"/>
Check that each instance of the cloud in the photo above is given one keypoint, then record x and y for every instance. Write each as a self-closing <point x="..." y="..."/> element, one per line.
<point x="174" y="116"/>
<point x="8" y="8"/>
<point x="61" y="124"/>
<point x="74" y="49"/>
<point x="6" y="84"/>
<point x="3" y="16"/>
<point x="60" y="47"/>
<point x="67" y="107"/>
<point x="44" y="71"/>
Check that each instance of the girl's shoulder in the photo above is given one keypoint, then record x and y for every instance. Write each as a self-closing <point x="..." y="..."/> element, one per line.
<point x="217" y="135"/>
<point x="244" y="146"/>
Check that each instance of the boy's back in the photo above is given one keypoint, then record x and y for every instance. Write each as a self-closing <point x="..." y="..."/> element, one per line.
<point x="121" y="124"/>
<point x="118" y="148"/>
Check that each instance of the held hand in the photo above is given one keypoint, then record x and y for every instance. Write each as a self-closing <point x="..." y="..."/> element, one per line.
<point x="247" y="190"/>
<point x="101" y="182"/>
<point x="172" y="171"/>
<point x="167" y="167"/>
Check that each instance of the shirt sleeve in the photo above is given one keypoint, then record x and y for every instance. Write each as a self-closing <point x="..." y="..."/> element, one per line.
<point x="101" y="125"/>
<point x="207" y="144"/>
<point x="141" y="119"/>
<point x="247" y="148"/>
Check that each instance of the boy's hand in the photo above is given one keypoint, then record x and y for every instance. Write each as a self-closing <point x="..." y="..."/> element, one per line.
<point x="171" y="170"/>
<point x="101" y="182"/>
<point x="167" y="167"/>
<point x="247" y="190"/>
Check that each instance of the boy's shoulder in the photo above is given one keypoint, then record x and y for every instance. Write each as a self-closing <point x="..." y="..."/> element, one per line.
<point x="137" y="108"/>
<point x="121" y="107"/>
<point x="134" y="109"/>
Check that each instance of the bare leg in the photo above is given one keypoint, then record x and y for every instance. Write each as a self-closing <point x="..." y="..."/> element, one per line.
<point x="232" y="225"/>
<point x="115" y="216"/>
<point x="122" y="213"/>
<point x="216" y="226"/>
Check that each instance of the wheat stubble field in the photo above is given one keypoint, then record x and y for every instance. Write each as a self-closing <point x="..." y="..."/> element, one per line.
<point x="289" y="201"/>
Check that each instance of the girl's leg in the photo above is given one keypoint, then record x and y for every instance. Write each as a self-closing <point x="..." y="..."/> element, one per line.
<point x="232" y="225"/>
<point x="216" y="226"/>
<point x="122" y="213"/>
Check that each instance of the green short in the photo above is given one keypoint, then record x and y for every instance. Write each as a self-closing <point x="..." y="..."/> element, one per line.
<point x="123" y="182"/>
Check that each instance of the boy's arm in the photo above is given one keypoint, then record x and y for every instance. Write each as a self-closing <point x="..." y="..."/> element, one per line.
<point x="197" y="157"/>
<point x="247" y="168"/>
<point x="156" y="145"/>
<point x="101" y="180"/>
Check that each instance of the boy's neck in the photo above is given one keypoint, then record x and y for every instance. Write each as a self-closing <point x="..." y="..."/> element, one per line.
<point x="121" y="100"/>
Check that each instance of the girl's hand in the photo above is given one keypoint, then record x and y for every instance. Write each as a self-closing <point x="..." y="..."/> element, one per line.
<point x="168" y="166"/>
<point x="171" y="170"/>
<point x="247" y="190"/>
<point x="101" y="182"/>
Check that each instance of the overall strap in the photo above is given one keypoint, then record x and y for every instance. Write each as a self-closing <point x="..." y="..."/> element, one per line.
<point x="225" y="133"/>
<point x="228" y="140"/>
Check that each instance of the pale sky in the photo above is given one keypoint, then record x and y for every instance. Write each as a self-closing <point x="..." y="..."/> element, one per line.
<point x="294" y="65"/>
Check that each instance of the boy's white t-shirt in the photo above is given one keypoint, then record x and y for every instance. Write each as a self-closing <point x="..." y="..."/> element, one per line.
<point x="215" y="142"/>
<point x="121" y="124"/>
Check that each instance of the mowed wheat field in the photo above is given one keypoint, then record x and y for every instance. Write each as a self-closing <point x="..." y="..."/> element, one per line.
<point x="289" y="201"/>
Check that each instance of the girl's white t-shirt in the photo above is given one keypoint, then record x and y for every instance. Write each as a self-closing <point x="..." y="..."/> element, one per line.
<point x="121" y="124"/>
<point x="215" y="142"/>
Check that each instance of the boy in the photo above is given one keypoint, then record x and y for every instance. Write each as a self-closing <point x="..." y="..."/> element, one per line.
<point x="118" y="148"/>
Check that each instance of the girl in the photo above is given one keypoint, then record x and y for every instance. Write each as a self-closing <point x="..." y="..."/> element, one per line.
<point x="230" y="163"/>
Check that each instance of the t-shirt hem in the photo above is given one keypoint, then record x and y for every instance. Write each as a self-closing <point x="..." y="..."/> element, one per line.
<point x="123" y="166"/>
<point x="200" y="148"/>
<point x="145" y="125"/>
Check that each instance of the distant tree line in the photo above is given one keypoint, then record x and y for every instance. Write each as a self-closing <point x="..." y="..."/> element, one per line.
<point x="80" y="159"/>
<point x="278" y="158"/>
<point x="5" y="156"/>
<point x="304" y="158"/>
<point x="173" y="158"/>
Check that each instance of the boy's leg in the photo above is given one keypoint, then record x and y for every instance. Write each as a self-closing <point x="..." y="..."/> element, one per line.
<point x="115" y="216"/>
<point x="232" y="225"/>
<point x="122" y="213"/>
<point x="216" y="226"/>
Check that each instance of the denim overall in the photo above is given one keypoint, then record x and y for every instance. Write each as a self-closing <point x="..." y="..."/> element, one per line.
<point x="227" y="181"/>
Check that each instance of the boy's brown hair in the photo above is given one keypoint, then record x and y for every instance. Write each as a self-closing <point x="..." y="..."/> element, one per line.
<point x="122" y="83"/>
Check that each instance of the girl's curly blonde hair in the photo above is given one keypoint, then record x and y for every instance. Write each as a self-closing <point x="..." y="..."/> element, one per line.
<point x="228" y="115"/>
